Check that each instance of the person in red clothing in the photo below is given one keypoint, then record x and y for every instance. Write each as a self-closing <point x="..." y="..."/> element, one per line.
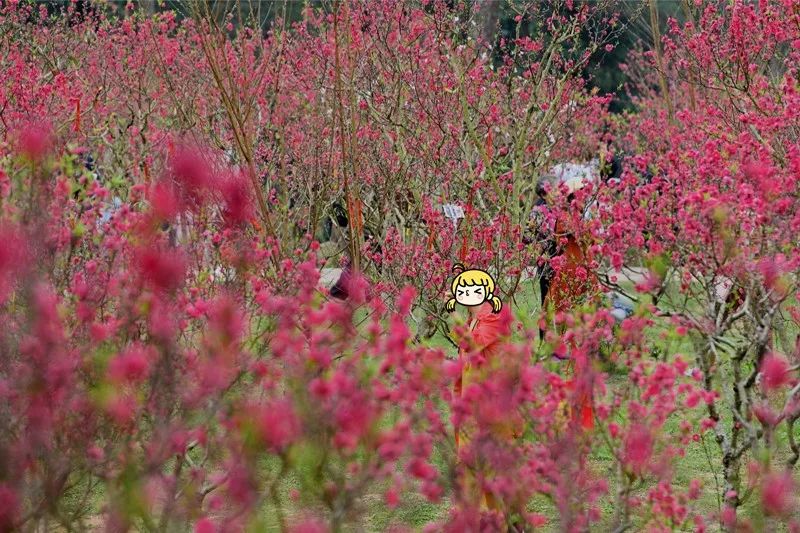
<point x="564" y="288"/>
<point x="561" y="289"/>
<point x="482" y="359"/>
<point x="487" y="330"/>
<point x="474" y="289"/>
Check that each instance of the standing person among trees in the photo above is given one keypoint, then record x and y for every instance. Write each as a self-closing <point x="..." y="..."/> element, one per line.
<point x="563" y="286"/>
<point x="489" y="323"/>
<point x="335" y="228"/>
<point x="565" y="280"/>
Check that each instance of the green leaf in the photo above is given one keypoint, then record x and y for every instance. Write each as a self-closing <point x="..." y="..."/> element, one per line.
<point x="659" y="265"/>
<point x="79" y="230"/>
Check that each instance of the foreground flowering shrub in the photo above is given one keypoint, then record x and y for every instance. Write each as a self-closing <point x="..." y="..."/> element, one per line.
<point x="718" y="221"/>
<point x="168" y="359"/>
<point x="149" y="383"/>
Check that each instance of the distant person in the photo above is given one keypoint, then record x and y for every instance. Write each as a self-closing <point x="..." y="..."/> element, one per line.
<point x="560" y="290"/>
<point x="566" y="286"/>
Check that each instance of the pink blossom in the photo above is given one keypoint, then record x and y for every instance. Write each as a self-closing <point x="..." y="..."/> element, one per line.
<point x="122" y="408"/>
<point x="130" y="366"/>
<point x="765" y="414"/>
<point x="695" y="487"/>
<point x="192" y="175"/>
<point x="728" y="517"/>
<point x="164" y="201"/>
<point x="638" y="447"/>
<point x="774" y="371"/>
<point x="35" y="141"/>
<point x="422" y="469"/>
<point x="778" y="496"/>
<point x="392" y="498"/>
<point x="9" y="507"/>
<point x="432" y="491"/>
<point x="278" y="425"/>
<point x="204" y="525"/>
<point x="237" y="203"/>
<point x="164" y="269"/>
<point x="12" y="257"/>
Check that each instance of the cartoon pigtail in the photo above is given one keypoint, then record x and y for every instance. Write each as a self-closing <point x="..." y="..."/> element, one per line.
<point x="458" y="268"/>
<point x="497" y="305"/>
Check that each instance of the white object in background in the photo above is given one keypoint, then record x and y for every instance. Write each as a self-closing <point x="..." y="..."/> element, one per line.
<point x="329" y="276"/>
<point x="108" y="211"/>
<point x="722" y="288"/>
<point x="621" y="306"/>
<point x="574" y="175"/>
<point x="453" y="212"/>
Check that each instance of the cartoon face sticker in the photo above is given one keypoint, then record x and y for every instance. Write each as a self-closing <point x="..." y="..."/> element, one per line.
<point x="471" y="295"/>
<point x="471" y="288"/>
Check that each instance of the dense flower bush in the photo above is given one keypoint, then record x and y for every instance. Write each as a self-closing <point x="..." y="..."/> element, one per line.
<point x="719" y="222"/>
<point x="169" y="359"/>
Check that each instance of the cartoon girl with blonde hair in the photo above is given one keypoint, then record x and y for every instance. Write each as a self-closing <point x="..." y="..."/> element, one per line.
<point x="472" y="288"/>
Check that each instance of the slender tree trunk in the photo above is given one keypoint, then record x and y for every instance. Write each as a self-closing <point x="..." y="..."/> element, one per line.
<point x="654" y="25"/>
<point x="486" y="20"/>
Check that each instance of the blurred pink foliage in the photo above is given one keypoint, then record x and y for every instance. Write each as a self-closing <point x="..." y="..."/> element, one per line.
<point x="166" y="347"/>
